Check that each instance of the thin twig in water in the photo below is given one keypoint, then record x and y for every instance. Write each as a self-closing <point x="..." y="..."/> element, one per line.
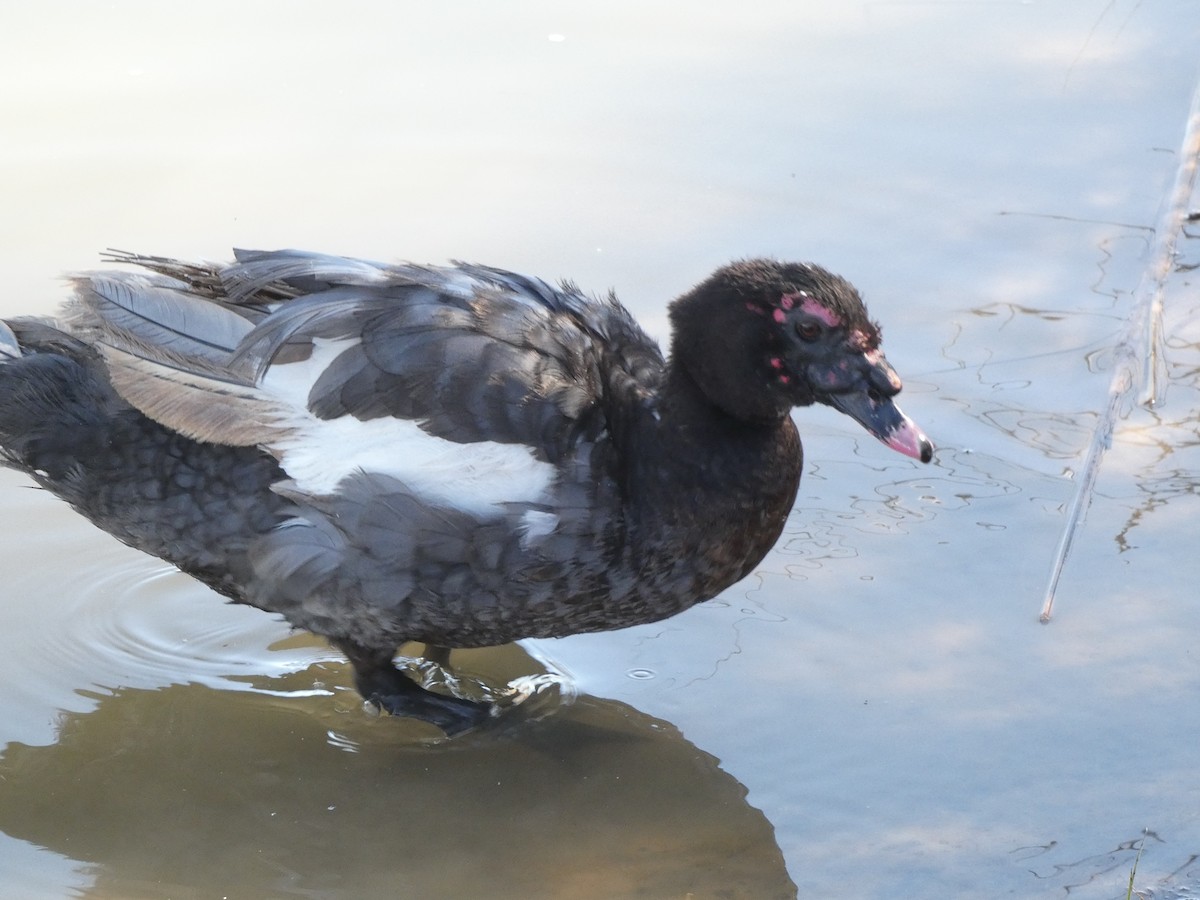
<point x="1136" y="860"/>
<point x="1141" y="348"/>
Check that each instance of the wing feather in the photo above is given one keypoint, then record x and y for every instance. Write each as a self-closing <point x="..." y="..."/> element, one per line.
<point x="195" y="404"/>
<point x="264" y="350"/>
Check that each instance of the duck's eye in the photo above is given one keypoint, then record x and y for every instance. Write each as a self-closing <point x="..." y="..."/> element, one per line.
<point x="808" y="331"/>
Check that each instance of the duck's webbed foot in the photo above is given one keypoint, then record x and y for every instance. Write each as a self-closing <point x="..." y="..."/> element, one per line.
<point x="380" y="682"/>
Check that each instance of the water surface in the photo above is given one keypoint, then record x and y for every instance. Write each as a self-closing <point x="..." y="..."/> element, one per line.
<point x="877" y="712"/>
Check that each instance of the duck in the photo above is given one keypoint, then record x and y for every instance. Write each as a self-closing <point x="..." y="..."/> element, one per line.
<point x="456" y="455"/>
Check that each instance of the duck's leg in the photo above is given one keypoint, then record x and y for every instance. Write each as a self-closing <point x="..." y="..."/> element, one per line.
<point x="381" y="683"/>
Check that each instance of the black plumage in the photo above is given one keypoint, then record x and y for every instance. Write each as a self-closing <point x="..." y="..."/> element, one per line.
<point x="461" y="455"/>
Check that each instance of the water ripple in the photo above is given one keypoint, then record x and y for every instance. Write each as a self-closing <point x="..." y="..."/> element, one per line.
<point x="112" y="620"/>
<point x="123" y="621"/>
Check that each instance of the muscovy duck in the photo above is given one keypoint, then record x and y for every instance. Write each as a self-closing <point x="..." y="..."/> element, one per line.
<point x="456" y="455"/>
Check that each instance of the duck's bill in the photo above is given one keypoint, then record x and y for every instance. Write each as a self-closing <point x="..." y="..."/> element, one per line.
<point x="884" y="419"/>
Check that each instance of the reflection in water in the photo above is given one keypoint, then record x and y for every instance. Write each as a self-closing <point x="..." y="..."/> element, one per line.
<point x="1044" y="862"/>
<point x="1112" y="866"/>
<point x="1164" y="443"/>
<point x="198" y="792"/>
<point x="256" y="772"/>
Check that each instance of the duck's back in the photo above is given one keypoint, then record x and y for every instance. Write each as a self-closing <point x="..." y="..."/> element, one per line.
<point x="440" y="454"/>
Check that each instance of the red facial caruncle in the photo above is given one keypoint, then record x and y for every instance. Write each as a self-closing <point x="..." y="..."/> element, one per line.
<point x="813" y="307"/>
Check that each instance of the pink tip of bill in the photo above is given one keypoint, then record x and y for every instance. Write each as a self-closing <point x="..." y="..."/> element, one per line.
<point x="908" y="439"/>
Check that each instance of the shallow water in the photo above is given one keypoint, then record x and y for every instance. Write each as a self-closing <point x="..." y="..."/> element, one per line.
<point x="877" y="712"/>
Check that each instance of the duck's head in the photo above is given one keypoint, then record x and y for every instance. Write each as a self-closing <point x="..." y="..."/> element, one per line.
<point x="759" y="337"/>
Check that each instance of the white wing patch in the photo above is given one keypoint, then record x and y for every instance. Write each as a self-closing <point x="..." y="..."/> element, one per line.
<point x="318" y="453"/>
<point x="536" y="524"/>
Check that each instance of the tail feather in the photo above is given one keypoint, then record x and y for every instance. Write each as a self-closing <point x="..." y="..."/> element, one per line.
<point x="9" y="346"/>
<point x="53" y="394"/>
<point x="156" y="316"/>
<point x="63" y="423"/>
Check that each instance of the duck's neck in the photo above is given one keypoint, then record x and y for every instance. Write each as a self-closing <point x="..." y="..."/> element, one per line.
<point x="701" y="472"/>
<point x="733" y="454"/>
